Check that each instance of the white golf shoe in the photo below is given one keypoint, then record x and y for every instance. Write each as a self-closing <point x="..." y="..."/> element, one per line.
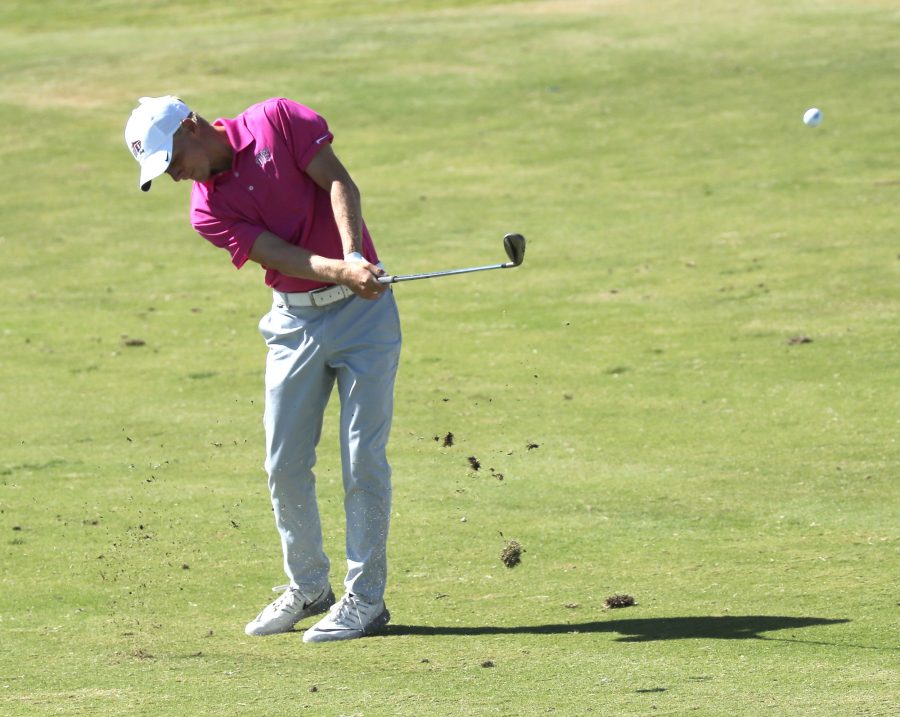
<point x="349" y="618"/>
<point x="287" y="610"/>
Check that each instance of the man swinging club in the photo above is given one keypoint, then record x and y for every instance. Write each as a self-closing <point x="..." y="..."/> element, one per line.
<point x="269" y="188"/>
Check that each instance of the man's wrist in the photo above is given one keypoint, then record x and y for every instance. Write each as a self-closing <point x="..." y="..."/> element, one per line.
<point x="354" y="256"/>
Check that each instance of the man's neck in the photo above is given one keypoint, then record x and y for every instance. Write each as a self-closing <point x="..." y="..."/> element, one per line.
<point x="223" y="156"/>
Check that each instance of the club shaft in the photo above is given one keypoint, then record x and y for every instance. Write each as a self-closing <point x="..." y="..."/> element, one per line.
<point x="393" y="279"/>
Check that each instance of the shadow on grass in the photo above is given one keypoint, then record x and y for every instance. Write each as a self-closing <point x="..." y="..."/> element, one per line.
<point x="641" y="629"/>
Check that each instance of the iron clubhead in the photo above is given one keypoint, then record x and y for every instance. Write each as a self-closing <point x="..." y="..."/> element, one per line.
<point x="515" y="248"/>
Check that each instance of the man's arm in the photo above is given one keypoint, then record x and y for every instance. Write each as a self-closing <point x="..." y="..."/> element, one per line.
<point x="329" y="173"/>
<point x="326" y="170"/>
<point x="274" y="253"/>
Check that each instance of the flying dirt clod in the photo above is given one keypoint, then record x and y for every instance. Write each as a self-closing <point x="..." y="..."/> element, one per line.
<point x="511" y="555"/>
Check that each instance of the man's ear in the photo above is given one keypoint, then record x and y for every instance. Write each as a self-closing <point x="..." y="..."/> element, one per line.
<point x="188" y="124"/>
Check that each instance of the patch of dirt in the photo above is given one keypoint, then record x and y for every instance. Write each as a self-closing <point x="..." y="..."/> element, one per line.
<point x="475" y="463"/>
<point x="448" y="440"/>
<point x="796" y="340"/>
<point x="618" y="600"/>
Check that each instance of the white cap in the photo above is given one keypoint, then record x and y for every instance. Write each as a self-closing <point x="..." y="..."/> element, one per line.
<point x="149" y="132"/>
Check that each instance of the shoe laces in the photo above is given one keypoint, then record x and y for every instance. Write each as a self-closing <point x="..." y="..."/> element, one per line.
<point x="348" y="610"/>
<point x="286" y="601"/>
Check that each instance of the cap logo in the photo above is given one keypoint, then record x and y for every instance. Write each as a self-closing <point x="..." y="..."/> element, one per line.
<point x="264" y="156"/>
<point x="136" y="148"/>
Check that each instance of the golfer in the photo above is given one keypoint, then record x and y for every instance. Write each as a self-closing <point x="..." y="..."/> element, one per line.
<point x="269" y="188"/>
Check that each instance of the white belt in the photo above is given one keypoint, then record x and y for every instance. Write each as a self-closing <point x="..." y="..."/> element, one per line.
<point x="320" y="297"/>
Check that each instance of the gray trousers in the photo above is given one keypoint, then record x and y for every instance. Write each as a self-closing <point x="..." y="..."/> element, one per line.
<point x="356" y="343"/>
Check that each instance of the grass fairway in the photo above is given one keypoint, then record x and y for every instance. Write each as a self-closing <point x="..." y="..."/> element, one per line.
<point x="689" y="388"/>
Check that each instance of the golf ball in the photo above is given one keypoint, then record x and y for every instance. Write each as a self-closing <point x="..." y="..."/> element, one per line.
<point x="812" y="117"/>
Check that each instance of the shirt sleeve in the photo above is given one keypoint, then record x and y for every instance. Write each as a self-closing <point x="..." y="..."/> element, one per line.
<point x="226" y="232"/>
<point x="304" y="130"/>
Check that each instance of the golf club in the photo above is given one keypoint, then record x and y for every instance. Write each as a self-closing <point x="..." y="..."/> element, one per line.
<point x="514" y="244"/>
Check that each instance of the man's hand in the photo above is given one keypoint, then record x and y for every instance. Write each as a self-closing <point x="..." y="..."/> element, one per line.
<point x="360" y="278"/>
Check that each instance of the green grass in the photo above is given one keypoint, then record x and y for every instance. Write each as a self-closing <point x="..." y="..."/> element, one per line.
<point x="683" y="226"/>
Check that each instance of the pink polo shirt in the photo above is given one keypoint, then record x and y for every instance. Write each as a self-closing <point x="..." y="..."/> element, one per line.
<point x="267" y="189"/>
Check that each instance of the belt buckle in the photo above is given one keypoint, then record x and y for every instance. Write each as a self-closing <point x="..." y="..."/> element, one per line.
<point x="326" y="293"/>
<point x="312" y="297"/>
